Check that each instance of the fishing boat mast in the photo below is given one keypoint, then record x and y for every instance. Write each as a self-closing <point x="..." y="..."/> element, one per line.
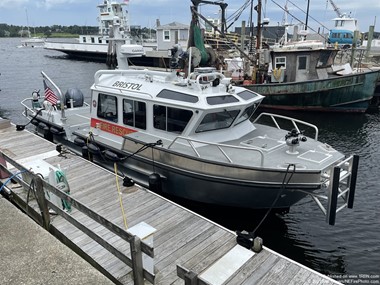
<point x="307" y="17"/>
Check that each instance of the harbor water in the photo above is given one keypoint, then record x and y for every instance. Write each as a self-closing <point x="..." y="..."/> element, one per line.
<point x="348" y="251"/>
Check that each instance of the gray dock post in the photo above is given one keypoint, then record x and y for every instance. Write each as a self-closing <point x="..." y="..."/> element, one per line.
<point x="137" y="263"/>
<point x="40" y="194"/>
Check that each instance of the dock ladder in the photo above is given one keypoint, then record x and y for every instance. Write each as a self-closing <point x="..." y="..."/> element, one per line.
<point x="340" y="182"/>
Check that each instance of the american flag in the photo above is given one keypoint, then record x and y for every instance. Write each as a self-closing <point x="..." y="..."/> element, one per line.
<point x="50" y="95"/>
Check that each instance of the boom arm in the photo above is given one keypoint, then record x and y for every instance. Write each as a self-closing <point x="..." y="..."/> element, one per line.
<point x="222" y="5"/>
<point x="336" y="9"/>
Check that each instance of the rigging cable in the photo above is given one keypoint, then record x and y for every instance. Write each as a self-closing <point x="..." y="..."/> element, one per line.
<point x="297" y="18"/>
<point x="309" y="15"/>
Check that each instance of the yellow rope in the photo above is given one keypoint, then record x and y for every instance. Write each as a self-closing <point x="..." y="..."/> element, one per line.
<point x="120" y="199"/>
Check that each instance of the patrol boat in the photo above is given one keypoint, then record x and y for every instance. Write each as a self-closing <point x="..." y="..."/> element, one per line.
<point x="193" y="136"/>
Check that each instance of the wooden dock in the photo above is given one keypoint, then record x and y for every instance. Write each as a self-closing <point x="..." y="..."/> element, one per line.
<point x="187" y="248"/>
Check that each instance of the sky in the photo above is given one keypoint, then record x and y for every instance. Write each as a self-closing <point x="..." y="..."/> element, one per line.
<point x="145" y="12"/>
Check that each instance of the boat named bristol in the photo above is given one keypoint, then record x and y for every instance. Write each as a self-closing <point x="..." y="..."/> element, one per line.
<point x="192" y="136"/>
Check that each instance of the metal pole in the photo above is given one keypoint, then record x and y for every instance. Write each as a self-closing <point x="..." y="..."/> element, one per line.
<point x="307" y="14"/>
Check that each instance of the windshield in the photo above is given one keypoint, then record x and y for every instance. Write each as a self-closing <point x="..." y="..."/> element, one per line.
<point x="218" y="120"/>
<point x="248" y="112"/>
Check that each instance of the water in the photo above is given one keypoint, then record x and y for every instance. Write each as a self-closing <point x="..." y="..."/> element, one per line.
<point x="350" y="247"/>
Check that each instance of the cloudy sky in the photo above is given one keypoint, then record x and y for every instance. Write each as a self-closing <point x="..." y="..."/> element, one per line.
<point x="145" y="12"/>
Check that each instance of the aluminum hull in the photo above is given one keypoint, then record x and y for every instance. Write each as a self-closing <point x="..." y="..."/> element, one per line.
<point x="217" y="185"/>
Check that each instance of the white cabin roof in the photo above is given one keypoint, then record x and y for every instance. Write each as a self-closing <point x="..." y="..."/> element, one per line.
<point x="168" y="88"/>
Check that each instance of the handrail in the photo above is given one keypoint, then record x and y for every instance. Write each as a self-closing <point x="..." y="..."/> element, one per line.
<point x="43" y="203"/>
<point x="26" y="106"/>
<point x="33" y="111"/>
<point x="99" y="73"/>
<point x="198" y="77"/>
<point x="293" y="121"/>
<point x="218" y="146"/>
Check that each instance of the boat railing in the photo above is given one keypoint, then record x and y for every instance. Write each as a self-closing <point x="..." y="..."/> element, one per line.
<point x="166" y="76"/>
<point x="27" y="108"/>
<point x="295" y="122"/>
<point x="220" y="147"/>
<point x="201" y="79"/>
<point x="33" y="111"/>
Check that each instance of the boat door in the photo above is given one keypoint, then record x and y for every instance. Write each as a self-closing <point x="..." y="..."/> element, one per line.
<point x="302" y="72"/>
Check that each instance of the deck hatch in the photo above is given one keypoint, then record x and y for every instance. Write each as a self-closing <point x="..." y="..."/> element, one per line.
<point x="315" y="156"/>
<point x="263" y="142"/>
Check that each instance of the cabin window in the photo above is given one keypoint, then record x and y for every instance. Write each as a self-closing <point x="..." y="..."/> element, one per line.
<point x="280" y="62"/>
<point x="218" y="100"/>
<point x="170" y="119"/>
<point x="302" y="61"/>
<point x="246" y="95"/>
<point x="348" y="36"/>
<point x="134" y="114"/>
<point x="84" y="39"/>
<point x="248" y="112"/>
<point x="169" y="94"/>
<point x="166" y="35"/>
<point x="217" y="120"/>
<point x="107" y="107"/>
<point x="92" y="40"/>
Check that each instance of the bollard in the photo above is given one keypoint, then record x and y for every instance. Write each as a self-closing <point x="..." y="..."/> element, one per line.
<point x="257" y="244"/>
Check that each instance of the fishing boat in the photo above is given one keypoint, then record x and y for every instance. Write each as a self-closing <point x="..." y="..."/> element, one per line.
<point x="193" y="136"/>
<point x="297" y="75"/>
<point x="303" y="77"/>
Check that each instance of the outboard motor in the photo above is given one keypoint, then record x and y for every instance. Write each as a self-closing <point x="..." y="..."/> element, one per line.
<point x="293" y="139"/>
<point x="75" y="96"/>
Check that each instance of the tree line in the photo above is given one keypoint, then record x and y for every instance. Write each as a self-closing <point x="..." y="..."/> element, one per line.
<point x="57" y="30"/>
<point x="20" y="31"/>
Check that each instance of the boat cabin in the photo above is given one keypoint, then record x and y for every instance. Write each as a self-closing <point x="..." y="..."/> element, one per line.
<point x="108" y="11"/>
<point x="343" y="31"/>
<point x="130" y="101"/>
<point x="300" y="64"/>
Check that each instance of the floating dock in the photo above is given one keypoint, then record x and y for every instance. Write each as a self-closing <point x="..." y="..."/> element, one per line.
<point x="131" y="235"/>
